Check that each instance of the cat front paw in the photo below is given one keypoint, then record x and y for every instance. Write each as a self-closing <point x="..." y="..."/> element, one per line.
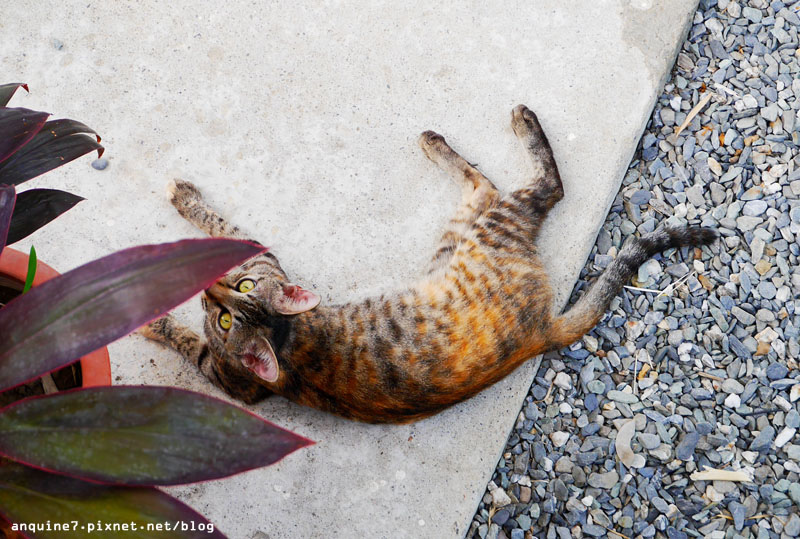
<point x="181" y="193"/>
<point x="158" y="330"/>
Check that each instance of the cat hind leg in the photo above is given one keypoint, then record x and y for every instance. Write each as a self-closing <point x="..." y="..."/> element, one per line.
<point x="545" y="178"/>
<point x="544" y="189"/>
<point x="478" y="194"/>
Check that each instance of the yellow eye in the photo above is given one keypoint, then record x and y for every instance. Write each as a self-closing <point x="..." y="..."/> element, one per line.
<point x="245" y="286"/>
<point x="225" y="320"/>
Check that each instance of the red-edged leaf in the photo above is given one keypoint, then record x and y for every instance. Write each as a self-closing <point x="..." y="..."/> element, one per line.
<point x="7" y="90"/>
<point x="32" y="497"/>
<point x="58" y="142"/>
<point x="17" y="128"/>
<point x="7" y="198"/>
<point x="37" y="207"/>
<point x="166" y="436"/>
<point x="60" y="320"/>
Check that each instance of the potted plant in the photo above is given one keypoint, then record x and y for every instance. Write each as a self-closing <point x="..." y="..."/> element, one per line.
<point x="87" y="461"/>
<point x="31" y="145"/>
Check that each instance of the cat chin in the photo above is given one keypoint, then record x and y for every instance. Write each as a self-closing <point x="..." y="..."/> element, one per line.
<point x="261" y="361"/>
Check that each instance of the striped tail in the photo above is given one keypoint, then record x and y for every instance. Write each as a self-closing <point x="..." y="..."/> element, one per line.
<point x="587" y="312"/>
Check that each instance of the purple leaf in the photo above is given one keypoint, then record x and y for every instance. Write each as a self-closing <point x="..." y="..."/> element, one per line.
<point x="7" y="199"/>
<point x="60" y="320"/>
<point x="17" y="128"/>
<point x="58" y="142"/>
<point x="31" y="497"/>
<point x="37" y="207"/>
<point x="7" y="90"/>
<point x="165" y="436"/>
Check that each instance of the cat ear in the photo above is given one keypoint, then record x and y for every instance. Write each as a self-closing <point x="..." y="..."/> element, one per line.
<point x="295" y="299"/>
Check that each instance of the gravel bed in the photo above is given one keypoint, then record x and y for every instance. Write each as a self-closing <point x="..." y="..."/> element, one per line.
<point x="696" y="367"/>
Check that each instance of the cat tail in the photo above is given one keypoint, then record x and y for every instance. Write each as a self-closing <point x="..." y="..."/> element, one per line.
<point x="589" y="309"/>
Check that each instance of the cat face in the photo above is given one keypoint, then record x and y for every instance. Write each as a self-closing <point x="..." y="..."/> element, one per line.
<point x="248" y="311"/>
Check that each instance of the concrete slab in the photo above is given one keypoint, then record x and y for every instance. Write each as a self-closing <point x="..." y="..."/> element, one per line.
<point x="299" y="122"/>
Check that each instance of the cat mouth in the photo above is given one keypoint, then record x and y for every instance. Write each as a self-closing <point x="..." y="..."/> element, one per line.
<point x="261" y="361"/>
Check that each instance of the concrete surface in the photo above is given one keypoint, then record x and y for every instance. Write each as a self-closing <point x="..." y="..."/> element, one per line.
<point x="299" y="122"/>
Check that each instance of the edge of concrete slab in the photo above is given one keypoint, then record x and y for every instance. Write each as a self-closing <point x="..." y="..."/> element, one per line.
<point x="660" y="55"/>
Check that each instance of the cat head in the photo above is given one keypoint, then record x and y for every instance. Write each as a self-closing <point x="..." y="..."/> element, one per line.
<point x="248" y="312"/>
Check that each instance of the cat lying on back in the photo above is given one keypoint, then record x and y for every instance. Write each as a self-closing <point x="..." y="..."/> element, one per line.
<point x="481" y="308"/>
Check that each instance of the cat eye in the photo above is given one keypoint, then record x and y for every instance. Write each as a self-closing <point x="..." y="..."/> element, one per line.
<point x="245" y="285"/>
<point x="225" y="320"/>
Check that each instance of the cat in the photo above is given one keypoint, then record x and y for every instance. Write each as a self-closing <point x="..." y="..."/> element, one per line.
<point x="480" y="309"/>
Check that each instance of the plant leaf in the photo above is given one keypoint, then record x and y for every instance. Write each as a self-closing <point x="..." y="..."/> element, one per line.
<point x="7" y="90"/>
<point x="165" y="436"/>
<point x="29" y="496"/>
<point x="37" y="207"/>
<point x="32" y="263"/>
<point x="8" y="196"/>
<point x="17" y="127"/>
<point x="58" y="142"/>
<point x="60" y="320"/>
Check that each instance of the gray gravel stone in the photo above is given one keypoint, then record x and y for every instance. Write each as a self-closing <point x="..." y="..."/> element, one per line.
<point x="776" y="371"/>
<point x="766" y="289"/>
<point x="754" y="208"/>
<point x="621" y="396"/>
<point x="640" y="197"/>
<point x="732" y="386"/>
<point x="792" y="527"/>
<point x="738" y="513"/>
<point x="695" y="195"/>
<point x="560" y="490"/>
<point x="603" y="480"/>
<point x="764" y="439"/>
<point x="742" y="316"/>
<point x="596" y="386"/>
<point x="501" y="517"/>
<point x="648" y="441"/>
<point x="685" y="449"/>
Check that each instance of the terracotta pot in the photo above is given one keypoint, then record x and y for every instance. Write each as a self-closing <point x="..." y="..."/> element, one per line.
<point x="95" y="367"/>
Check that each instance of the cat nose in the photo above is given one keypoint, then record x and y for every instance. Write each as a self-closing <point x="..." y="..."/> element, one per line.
<point x="215" y="291"/>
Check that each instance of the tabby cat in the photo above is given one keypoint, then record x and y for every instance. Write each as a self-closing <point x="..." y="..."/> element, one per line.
<point x="481" y="309"/>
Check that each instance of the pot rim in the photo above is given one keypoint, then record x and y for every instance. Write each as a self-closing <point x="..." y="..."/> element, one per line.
<point x="95" y="366"/>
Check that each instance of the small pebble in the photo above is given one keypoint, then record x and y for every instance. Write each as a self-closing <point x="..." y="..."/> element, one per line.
<point x="685" y="449"/>
<point x="640" y="197"/>
<point x="764" y="439"/>
<point x="604" y="480"/>
<point x="559" y="438"/>
<point x="100" y="164"/>
<point x="622" y="396"/>
<point x="731" y="385"/>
